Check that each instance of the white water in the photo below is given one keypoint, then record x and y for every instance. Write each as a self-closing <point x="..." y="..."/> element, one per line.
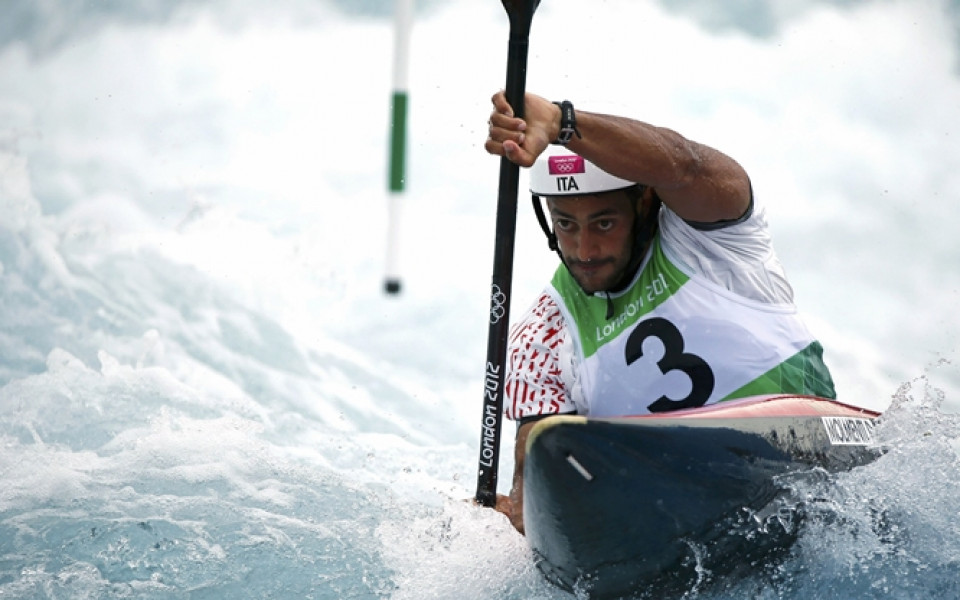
<point x="204" y="392"/>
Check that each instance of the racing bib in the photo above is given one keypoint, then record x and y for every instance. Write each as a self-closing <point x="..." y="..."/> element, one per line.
<point x="677" y="341"/>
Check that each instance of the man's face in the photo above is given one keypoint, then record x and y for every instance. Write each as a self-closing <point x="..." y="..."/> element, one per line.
<point x="595" y="234"/>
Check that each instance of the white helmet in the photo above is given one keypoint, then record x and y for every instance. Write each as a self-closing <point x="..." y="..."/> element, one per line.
<point x="571" y="175"/>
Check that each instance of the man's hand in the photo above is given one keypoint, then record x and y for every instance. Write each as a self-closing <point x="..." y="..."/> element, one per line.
<point x="505" y="506"/>
<point x="522" y="140"/>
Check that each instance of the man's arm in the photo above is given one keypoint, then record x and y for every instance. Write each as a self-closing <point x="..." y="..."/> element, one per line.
<point x="534" y="386"/>
<point x="512" y="505"/>
<point x="696" y="181"/>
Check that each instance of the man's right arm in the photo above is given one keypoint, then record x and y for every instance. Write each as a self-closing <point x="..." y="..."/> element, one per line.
<point x="512" y="505"/>
<point x="536" y="386"/>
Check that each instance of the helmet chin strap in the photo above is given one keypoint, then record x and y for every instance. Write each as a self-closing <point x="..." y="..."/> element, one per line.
<point x="645" y="227"/>
<point x="544" y="225"/>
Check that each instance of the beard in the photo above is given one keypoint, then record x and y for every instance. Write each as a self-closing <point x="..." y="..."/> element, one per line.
<point x="600" y="275"/>
<point x="611" y="273"/>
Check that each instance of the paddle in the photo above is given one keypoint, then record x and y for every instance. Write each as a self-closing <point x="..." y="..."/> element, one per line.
<point x="521" y="15"/>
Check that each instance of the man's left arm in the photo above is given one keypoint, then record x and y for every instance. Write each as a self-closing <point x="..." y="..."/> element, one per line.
<point x="696" y="181"/>
<point x="699" y="183"/>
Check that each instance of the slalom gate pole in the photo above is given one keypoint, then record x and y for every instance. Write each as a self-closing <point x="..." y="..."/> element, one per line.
<point x="403" y="21"/>
<point x="521" y="16"/>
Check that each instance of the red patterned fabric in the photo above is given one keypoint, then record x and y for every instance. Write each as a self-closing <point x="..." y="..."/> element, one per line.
<point x="534" y="383"/>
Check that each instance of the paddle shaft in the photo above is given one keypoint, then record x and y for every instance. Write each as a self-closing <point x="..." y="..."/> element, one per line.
<point x="521" y="15"/>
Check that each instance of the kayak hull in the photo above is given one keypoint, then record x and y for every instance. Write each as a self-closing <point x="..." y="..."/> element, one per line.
<point x="620" y="505"/>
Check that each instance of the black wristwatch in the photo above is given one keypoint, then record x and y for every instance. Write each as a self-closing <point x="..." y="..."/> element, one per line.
<point x="568" y="123"/>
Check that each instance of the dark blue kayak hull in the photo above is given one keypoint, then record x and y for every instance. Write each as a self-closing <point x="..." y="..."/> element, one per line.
<point x="620" y="506"/>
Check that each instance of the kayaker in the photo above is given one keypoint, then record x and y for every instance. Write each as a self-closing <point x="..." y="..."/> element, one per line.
<point x="669" y="293"/>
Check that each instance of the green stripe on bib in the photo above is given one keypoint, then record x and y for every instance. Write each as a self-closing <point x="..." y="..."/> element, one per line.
<point x="803" y="373"/>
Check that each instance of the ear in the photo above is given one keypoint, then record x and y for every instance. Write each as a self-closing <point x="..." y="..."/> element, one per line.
<point x="648" y="203"/>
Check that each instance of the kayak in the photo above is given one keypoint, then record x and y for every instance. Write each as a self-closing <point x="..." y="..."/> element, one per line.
<point x="660" y="503"/>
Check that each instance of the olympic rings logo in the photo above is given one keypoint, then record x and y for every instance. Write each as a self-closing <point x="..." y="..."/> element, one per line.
<point x="498" y="302"/>
<point x="565" y="165"/>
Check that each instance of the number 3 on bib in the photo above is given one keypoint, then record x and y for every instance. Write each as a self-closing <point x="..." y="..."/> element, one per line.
<point x="674" y="359"/>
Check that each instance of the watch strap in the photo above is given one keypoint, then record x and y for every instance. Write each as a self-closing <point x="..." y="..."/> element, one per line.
<point x="568" y="123"/>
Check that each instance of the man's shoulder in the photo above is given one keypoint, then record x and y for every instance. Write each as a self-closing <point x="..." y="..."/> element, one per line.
<point x="543" y="308"/>
<point x="718" y="241"/>
<point x="739" y="257"/>
<point x="752" y="222"/>
<point x="543" y="323"/>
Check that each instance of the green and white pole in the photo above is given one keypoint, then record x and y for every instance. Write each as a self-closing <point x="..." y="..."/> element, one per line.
<point x="403" y="22"/>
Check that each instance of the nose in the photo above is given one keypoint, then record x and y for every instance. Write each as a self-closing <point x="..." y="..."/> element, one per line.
<point x="588" y="247"/>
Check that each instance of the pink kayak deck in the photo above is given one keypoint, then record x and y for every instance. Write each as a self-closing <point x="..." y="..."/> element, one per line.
<point x="770" y="405"/>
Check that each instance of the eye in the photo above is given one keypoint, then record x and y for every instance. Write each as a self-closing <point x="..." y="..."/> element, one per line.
<point x="564" y="225"/>
<point x="605" y="224"/>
